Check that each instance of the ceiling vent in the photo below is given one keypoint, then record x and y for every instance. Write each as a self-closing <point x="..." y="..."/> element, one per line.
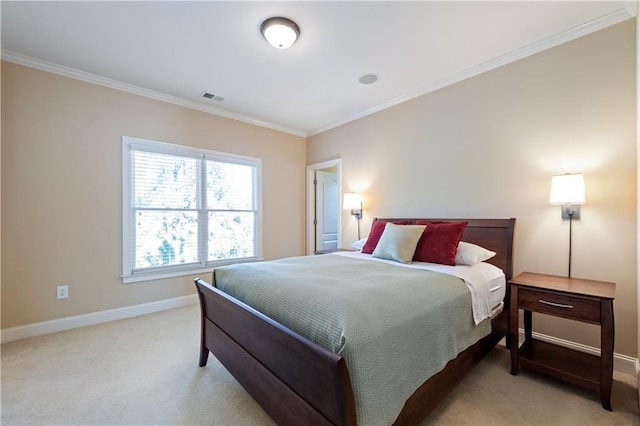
<point x="211" y="97"/>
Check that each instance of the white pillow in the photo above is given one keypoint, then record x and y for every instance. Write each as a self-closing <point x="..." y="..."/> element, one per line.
<point x="359" y="244"/>
<point x="470" y="254"/>
<point x="398" y="242"/>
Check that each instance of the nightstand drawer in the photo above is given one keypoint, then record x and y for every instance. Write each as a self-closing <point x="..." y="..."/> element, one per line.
<point x="558" y="304"/>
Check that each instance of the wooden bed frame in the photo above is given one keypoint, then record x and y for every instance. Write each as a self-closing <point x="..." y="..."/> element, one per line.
<point x="297" y="381"/>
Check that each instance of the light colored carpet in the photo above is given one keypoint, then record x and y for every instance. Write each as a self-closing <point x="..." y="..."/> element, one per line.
<point x="144" y="371"/>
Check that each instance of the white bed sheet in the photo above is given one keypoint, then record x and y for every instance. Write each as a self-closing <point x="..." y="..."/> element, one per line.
<point x="486" y="282"/>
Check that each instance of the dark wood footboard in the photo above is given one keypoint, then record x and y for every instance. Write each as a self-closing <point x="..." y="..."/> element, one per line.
<point x="291" y="377"/>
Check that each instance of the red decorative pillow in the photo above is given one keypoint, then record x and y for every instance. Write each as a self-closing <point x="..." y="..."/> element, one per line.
<point x="376" y="232"/>
<point x="439" y="242"/>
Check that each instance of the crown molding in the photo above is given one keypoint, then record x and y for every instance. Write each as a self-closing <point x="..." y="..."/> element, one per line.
<point x="597" y="24"/>
<point x="41" y="65"/>
<point x="632" y="7"/>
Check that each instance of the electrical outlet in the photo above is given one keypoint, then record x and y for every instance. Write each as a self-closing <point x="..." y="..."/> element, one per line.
<point x="63" y="292"/>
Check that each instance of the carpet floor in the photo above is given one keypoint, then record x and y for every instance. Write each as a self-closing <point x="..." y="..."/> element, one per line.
<point x="144" y="371"/>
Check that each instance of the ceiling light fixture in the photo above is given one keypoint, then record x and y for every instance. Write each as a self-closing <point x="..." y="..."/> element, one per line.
<point x="280" y="32"/>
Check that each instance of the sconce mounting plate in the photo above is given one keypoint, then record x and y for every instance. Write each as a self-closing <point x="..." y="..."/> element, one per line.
<point x="571" y="211"/>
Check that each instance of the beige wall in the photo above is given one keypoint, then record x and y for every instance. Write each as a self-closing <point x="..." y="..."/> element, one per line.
<point x="487" y="147"/>
<point x="62" y="190"/>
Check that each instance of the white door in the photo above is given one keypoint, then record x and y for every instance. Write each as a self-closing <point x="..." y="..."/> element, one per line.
<point x="326" y="210"/>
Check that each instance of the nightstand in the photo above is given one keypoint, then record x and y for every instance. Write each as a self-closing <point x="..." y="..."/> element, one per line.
<point x="572" y="298"/>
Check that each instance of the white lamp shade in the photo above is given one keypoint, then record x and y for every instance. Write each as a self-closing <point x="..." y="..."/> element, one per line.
<point x="351" y="201"/>
<point x="567" y="189"/>
<point x="281" y="33"/>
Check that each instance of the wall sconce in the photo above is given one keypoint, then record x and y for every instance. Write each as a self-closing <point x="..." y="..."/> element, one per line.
<point x="352" y="201"/>
<point x="568" y="191"/>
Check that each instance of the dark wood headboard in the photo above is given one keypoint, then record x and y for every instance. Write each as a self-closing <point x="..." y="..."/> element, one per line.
<point x="493" y="234"/>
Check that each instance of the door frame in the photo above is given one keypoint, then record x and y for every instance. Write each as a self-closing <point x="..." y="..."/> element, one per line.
<point x="311" y="169"/>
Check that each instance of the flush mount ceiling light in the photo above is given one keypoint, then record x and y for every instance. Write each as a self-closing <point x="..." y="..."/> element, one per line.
<point x="280" y="32"/>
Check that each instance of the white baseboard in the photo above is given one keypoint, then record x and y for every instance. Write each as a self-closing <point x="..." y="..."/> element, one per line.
<point x="621" y="363"/>
<point x="68" y="323"/>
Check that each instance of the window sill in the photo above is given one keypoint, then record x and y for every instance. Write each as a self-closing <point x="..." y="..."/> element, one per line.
<point x="159" y="275"/>
<point x="164" y="274"/>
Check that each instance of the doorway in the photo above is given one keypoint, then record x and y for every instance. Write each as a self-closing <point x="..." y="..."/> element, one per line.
<point x="323" y="206"/>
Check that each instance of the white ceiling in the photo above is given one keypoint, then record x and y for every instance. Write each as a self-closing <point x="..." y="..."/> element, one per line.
<point x="175" y="50"/>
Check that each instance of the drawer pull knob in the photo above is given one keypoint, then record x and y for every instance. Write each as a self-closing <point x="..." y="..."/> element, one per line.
<point x="559" y="305"/>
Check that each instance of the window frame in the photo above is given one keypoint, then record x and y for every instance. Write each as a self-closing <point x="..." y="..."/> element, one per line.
<point x="203" y="265"/>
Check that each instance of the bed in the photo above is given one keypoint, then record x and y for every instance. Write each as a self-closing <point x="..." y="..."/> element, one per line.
<point x="297" y="380"/>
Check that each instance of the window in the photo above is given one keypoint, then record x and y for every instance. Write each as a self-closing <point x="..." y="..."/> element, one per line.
<point x="187" y="209"/>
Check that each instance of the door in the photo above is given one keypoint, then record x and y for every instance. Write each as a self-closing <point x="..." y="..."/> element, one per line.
<point x="330" y="205"/>
<point x="326" y="210"/>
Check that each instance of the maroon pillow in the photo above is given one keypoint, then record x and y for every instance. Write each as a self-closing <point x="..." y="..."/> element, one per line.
<point x="439" y="242"/>
<point x="376" y="232"/>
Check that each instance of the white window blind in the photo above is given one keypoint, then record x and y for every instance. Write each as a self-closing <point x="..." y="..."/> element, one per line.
<point x="187" y="209"/>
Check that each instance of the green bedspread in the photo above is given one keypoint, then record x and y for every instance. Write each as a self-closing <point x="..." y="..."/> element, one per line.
<point x="395" y="326"/>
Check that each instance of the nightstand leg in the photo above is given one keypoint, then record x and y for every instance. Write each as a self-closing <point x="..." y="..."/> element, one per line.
<point x="607" y="337"/>
<point x="527" y="325"/>
<point x="513" y="330"/>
